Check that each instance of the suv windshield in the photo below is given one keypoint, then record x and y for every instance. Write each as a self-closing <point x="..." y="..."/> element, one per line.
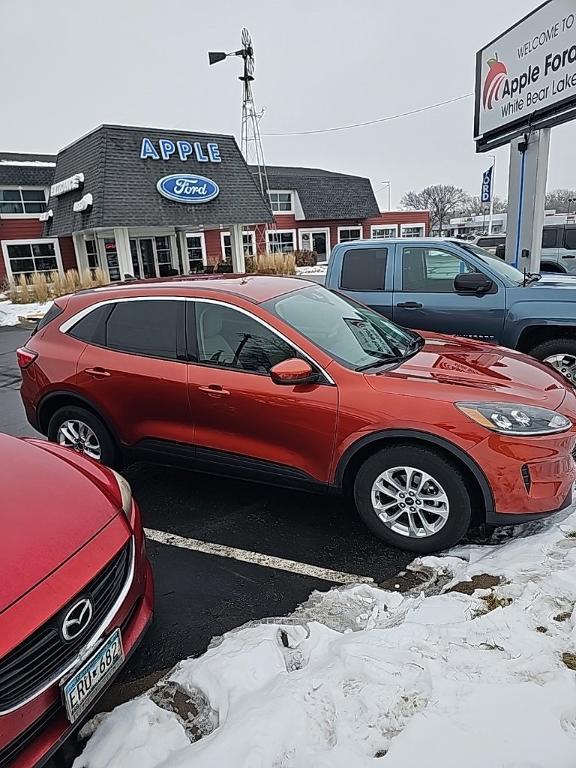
<point x="349" y="332"/>
<point x="501" y="267"/>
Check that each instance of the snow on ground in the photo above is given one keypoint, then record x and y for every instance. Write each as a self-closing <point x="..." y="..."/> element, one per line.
<point x="360" y="676"/>
<point x="319" y="269"/>
<point x="10" y="314"/>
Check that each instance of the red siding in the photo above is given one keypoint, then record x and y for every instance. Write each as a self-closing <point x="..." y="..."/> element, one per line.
<point x="399" y="217"/>
<point x="68" y="253"/>
<point x="32" y="229"/>
<point x="213" y="247"/>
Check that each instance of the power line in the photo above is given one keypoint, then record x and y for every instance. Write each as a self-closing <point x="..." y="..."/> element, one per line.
<point x="373" y="122"/>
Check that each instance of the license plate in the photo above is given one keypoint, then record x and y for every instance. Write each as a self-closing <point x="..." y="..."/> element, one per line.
<point x="80" y="690"/>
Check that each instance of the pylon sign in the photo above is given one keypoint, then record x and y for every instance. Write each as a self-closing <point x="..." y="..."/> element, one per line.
<point x="526" y="77"/>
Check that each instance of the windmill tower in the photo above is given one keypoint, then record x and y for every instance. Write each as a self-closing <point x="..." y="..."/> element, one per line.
<point x="251" y="140"/>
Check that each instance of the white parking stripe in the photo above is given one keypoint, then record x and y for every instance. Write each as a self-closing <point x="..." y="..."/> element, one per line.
<point x="257" y="558"/>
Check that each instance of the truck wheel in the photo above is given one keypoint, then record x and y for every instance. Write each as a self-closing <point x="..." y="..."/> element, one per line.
<point x="560" y="354"/>
<point x="413" y="498"/>
<point x="81" y="430"/>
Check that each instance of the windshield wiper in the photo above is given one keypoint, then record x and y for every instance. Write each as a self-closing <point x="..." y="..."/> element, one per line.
<point x="382" y="359"/>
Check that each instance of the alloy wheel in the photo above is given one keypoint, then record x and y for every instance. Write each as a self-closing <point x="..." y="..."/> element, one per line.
<point x="564" y="364"/>
<point x="80" y="437"/>
<point x="410" y="502"/>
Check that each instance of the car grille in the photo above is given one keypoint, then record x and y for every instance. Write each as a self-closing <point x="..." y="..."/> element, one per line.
<point x="39" y="658"/>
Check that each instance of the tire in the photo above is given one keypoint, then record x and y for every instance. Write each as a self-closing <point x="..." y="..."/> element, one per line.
<point x="456" y="511"/>
<point x="98" y="434"/>
<point x="564" y="350"/>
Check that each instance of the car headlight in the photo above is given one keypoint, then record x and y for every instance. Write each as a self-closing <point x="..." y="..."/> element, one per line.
<point x="514" y="419"/>
<point x="125" y="493"/>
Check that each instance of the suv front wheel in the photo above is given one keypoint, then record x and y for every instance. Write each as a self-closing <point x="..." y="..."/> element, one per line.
<point x="81" y="430"/>
<point x="413" y="498"/>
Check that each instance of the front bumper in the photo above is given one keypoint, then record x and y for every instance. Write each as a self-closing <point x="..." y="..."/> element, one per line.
<point x="41" y="726"/>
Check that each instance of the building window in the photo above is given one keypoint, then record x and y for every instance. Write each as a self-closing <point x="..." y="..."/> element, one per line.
<point x="412" y="230"/>
<point x="196" y="251"/>
<point x="112" y="259"/>
<point x="164" y="255"/>
<point x="281" y="242"/>
<point x="281" y="202"/>
<point x="92" y="255"/>
<point x="378" y="231"/>
<point x="21" y="201"/>
<point x="25" y="259"/>
<point x="346" y="234"/>
<point x="248" y="239"/>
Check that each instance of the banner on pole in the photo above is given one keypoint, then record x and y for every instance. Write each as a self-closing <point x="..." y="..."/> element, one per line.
<point x="486" y="194"/>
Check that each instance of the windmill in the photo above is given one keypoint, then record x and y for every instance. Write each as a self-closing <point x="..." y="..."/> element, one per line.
<point x="251" y="141"/>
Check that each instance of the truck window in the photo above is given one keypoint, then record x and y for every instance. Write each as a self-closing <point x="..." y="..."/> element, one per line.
<point x="549" y="237"/>
<point x="570" y="239"/>
<point x="431" y="270"/>
<point x="364" y="269"/>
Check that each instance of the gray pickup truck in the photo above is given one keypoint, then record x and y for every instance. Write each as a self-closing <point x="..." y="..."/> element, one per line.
<point x="455" y="287"/>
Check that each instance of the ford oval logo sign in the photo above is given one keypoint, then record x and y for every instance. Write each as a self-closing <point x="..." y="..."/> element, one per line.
<point x="188" y="188"/>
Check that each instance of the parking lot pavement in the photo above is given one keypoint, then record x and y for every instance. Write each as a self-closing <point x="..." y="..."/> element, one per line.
<point x="225" y="552"/>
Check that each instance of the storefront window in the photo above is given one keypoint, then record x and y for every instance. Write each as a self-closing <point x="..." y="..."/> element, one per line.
<point x="28" y="258"/>
<point x="281" y="242"/>
<point x="19" y="201"/>
<point x="112" y="259"/>
<point x="164" y="255"/>
<point x="195" y="247"/>
<point x="346" y="234"/>
<point x="135" y="261"/>
<point x="248" y="242"/>
<point x="379" y="232"/>
<point x="414" y="230"/>
<point x="92" y="255"/>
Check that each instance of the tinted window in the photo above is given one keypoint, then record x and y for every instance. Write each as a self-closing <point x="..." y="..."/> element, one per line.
<point x="490" y="242"/>
<point x="431" y="270"/>
<point x="549" y="235"/>
<point x="91" y="327"/>
<point x="231" y="339"/>
<point x="145" y="328"/>
<point x="52" y="314"/>
<point x="570" y="239"/>
<point x="364" y="269"/>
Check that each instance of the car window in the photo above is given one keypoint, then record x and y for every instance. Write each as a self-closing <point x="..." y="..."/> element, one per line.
<point x="92" y="327"/>
<point x="570" y="239"/>
<point x="145" y="328"/>
<point x="364" y="269"/>
<point x="229" y="338"/>
<point x="549" y="237"/>
<point x="490" y="242"/>
<point x="431" y="270"/>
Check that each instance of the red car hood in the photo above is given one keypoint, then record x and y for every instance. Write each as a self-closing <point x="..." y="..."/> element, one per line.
<point x="495" y="372"/>
<point x="52" y="502"/>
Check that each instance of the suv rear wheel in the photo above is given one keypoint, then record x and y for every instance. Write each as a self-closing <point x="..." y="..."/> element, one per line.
<point x="560" y="354"/>
<point x="413" y="498"/>
<point x="81" y="430"/>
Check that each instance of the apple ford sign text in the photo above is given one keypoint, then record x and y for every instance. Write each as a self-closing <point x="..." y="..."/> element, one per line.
<point x="188" y="188"/>
<point x="166" y="149"/>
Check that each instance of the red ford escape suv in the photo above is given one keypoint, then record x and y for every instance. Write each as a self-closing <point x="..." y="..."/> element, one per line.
<point x="75" y="592"/>
<point x="280" y="380"/>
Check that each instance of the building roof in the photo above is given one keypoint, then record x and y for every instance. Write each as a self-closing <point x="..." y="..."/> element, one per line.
<point x="26" y="169"/>
<point x="123" y="185"/>
<point x="325" y="194"/>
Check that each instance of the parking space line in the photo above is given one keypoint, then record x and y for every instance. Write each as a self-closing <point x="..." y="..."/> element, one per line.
<point x="257" y="558"/>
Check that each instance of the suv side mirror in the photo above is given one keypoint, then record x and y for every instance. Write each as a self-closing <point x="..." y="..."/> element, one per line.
<point x="472" y="282"/>
<point x="293" y="371"/>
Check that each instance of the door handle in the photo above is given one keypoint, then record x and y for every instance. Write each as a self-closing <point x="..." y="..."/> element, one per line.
<point x="98" y="373"/>
<point x="409" y="305"/>
<point x="569" y="256"/>
<point x="214" y="390"/>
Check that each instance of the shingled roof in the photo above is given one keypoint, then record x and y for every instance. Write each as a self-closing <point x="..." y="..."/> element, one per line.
<point x="123" y="186"/>
<point x="326" y="194"/>
<point x="24" y="169"/>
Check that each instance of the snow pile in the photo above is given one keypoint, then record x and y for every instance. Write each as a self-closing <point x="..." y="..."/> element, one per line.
<point x="10" y="313"/>
<point x="459" y="675"/>
<point x="319" y="269"/>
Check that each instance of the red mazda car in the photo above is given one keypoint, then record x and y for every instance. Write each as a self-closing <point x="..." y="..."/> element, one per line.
<point x="280" y="380"/>
<point x="75" y="592"/>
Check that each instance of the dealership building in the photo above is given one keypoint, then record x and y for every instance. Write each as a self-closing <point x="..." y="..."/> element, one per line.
<point x="146" y="202"/>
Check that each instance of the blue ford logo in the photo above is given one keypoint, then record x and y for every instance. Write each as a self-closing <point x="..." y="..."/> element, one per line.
<point x="188" y="188"/>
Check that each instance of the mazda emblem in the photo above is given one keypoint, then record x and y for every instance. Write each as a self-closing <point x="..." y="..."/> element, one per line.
<point x="77" y="619"/>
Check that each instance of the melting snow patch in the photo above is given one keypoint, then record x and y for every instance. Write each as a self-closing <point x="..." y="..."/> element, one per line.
<point x="484" y="676"/>
<point x="11" y="314"/>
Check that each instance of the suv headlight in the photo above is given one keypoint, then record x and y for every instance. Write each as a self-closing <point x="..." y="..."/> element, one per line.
<point x="126" y="493"/>
<point x="514" y="419"/>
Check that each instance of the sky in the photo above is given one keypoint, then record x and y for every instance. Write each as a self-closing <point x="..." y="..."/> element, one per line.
<point x="69" y="66"/>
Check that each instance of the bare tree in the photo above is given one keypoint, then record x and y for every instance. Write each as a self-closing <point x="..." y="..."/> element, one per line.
<point x="561" y="200"/>
<point x="475" y="207"/>
<point x="442" y="200"/>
